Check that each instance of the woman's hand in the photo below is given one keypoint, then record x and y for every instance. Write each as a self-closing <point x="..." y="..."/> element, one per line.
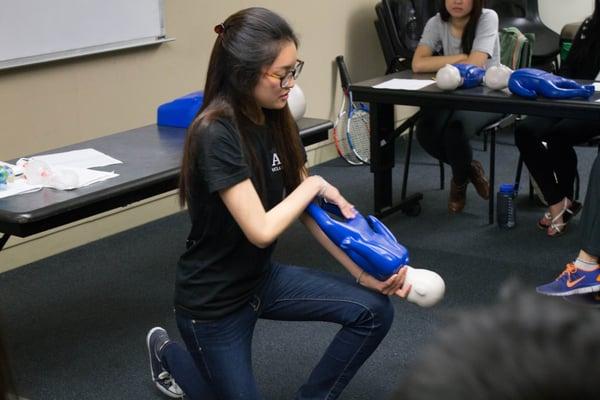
<point x="332" y="195"/>
<point x="393" y="285"/>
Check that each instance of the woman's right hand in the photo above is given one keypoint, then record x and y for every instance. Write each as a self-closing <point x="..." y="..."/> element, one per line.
<point x="332" y="195"/>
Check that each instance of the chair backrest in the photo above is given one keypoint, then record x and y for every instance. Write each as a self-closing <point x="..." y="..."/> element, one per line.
<point x="508" y="8"/>
<point x="399" y="27"/>
<point x="524" y="15"/>
<point x="516" y="48"/>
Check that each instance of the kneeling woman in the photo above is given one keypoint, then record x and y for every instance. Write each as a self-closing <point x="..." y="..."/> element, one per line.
<point x="244" y="180"/>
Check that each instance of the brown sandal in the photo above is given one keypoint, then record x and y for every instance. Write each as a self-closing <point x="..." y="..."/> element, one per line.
<point x="556" y="229"/>
<point x="545" y="222"/>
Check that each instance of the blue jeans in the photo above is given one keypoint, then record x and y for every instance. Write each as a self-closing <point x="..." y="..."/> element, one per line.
<point x="221" y="348"/>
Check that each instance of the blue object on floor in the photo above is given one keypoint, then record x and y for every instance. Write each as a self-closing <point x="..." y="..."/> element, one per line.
<point x="180" y="112"/>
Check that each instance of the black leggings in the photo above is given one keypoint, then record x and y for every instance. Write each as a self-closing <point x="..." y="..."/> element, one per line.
<point x="590" y="217"/>
<point x="445" y="135"/>
<point x="553" y="166"/>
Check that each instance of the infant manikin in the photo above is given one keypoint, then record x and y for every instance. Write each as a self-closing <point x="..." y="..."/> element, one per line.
<point x="453" y="76"/>
<point x="496" y="77"/>
<point x="371" y="245"/>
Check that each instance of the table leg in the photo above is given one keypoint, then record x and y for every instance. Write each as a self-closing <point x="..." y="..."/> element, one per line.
<point x="3" y="240"/>
<point x="382" y="162"/>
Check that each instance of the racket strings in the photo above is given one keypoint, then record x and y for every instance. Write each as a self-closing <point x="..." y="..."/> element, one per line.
<point x="359" y="135"/>
<point x="340" y="137"/>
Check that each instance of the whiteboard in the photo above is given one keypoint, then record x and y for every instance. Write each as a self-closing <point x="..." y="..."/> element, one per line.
<point x="34" y="31"/>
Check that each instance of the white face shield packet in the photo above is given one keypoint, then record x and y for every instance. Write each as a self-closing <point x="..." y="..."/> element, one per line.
<point x="38" y="172"/>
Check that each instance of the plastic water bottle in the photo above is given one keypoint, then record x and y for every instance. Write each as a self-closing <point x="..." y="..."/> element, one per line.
<point x="505" y="197"/>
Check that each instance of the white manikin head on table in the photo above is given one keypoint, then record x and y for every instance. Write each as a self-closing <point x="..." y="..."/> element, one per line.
<point x="297" y="102"/>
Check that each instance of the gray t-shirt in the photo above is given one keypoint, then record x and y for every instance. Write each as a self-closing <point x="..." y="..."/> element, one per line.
<point x="438" y="37"/>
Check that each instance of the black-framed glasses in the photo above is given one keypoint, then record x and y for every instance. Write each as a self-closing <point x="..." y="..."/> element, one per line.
<point x="294" y="73"/>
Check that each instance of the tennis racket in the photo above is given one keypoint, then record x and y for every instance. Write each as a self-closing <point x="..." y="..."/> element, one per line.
<point x="340" y="137"/>
<point x="357" y="128"/>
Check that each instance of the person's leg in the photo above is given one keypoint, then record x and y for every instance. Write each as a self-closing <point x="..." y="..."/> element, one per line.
<point x="560" y="159"/>
<point x="429" y="129"/>
<point x="156" y="340"/>
<point x="560" y="141"/>
<point x="583" y="275"/>
<point x="528" y="138"/>
<point x="303" y="294"/>
<point x="590" y="218"/>
<point x="462" y="126"/>
<point x="221" y="350"/>
<point x="180" y="364"/>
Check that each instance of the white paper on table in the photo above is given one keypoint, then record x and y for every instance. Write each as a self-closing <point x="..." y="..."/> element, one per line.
<point x="85" y="158"/>
<point x="404" y="84"/>
<point x="89" y="176"/>
<point x="18" y="186"/>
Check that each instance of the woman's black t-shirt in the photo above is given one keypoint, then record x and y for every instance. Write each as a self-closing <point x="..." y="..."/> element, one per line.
<point x="221" y="269"/>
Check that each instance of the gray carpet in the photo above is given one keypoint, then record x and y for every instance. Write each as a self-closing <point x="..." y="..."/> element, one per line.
<point x="75" y="323"/>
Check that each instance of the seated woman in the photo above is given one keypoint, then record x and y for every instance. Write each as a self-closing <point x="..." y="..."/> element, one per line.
<point x="463" y="32"/>
<point x="546" y="144"/>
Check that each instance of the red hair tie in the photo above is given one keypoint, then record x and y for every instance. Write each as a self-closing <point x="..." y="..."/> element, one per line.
<point x="220" y="29"/>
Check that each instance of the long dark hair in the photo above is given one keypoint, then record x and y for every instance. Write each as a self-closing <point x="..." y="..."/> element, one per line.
<point x="247" y="41"/>
<point x="583" y="60"/>
<point x="468" y="36"/>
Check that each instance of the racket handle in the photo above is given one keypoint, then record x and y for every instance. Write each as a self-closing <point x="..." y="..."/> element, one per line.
<point x="344" y="75"/>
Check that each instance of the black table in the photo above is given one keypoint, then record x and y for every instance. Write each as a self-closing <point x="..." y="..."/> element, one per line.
<point x="151" y="158"/>
<point x="383" y="134"/>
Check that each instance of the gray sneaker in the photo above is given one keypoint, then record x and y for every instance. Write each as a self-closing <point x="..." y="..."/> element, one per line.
<point x="156" y="339"/>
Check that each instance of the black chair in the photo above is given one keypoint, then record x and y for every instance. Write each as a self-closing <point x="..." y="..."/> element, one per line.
<point x="398" y="46"/>
<point x="399" y="26"/>
<point x="524" y="15"/>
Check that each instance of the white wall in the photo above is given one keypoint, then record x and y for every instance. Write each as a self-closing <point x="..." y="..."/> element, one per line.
<point x="556" y="13"/>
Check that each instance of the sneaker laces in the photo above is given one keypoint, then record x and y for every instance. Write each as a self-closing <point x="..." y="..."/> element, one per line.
<point x="569" y="269"/>
<point x="168" y="381"/>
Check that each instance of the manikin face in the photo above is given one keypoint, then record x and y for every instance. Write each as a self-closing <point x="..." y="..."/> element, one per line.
<point x="459" y="8"/>
<point x="268" y="92"/>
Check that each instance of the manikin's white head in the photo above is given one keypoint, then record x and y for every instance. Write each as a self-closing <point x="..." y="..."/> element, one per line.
<point x="297" y="102"/>
<point x="496" y="77"/>
<point x="427" y="287"/>
<point x="448" y="77"/>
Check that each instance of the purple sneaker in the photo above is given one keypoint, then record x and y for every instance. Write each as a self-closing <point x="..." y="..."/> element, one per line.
<point x="572" y="281"/>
